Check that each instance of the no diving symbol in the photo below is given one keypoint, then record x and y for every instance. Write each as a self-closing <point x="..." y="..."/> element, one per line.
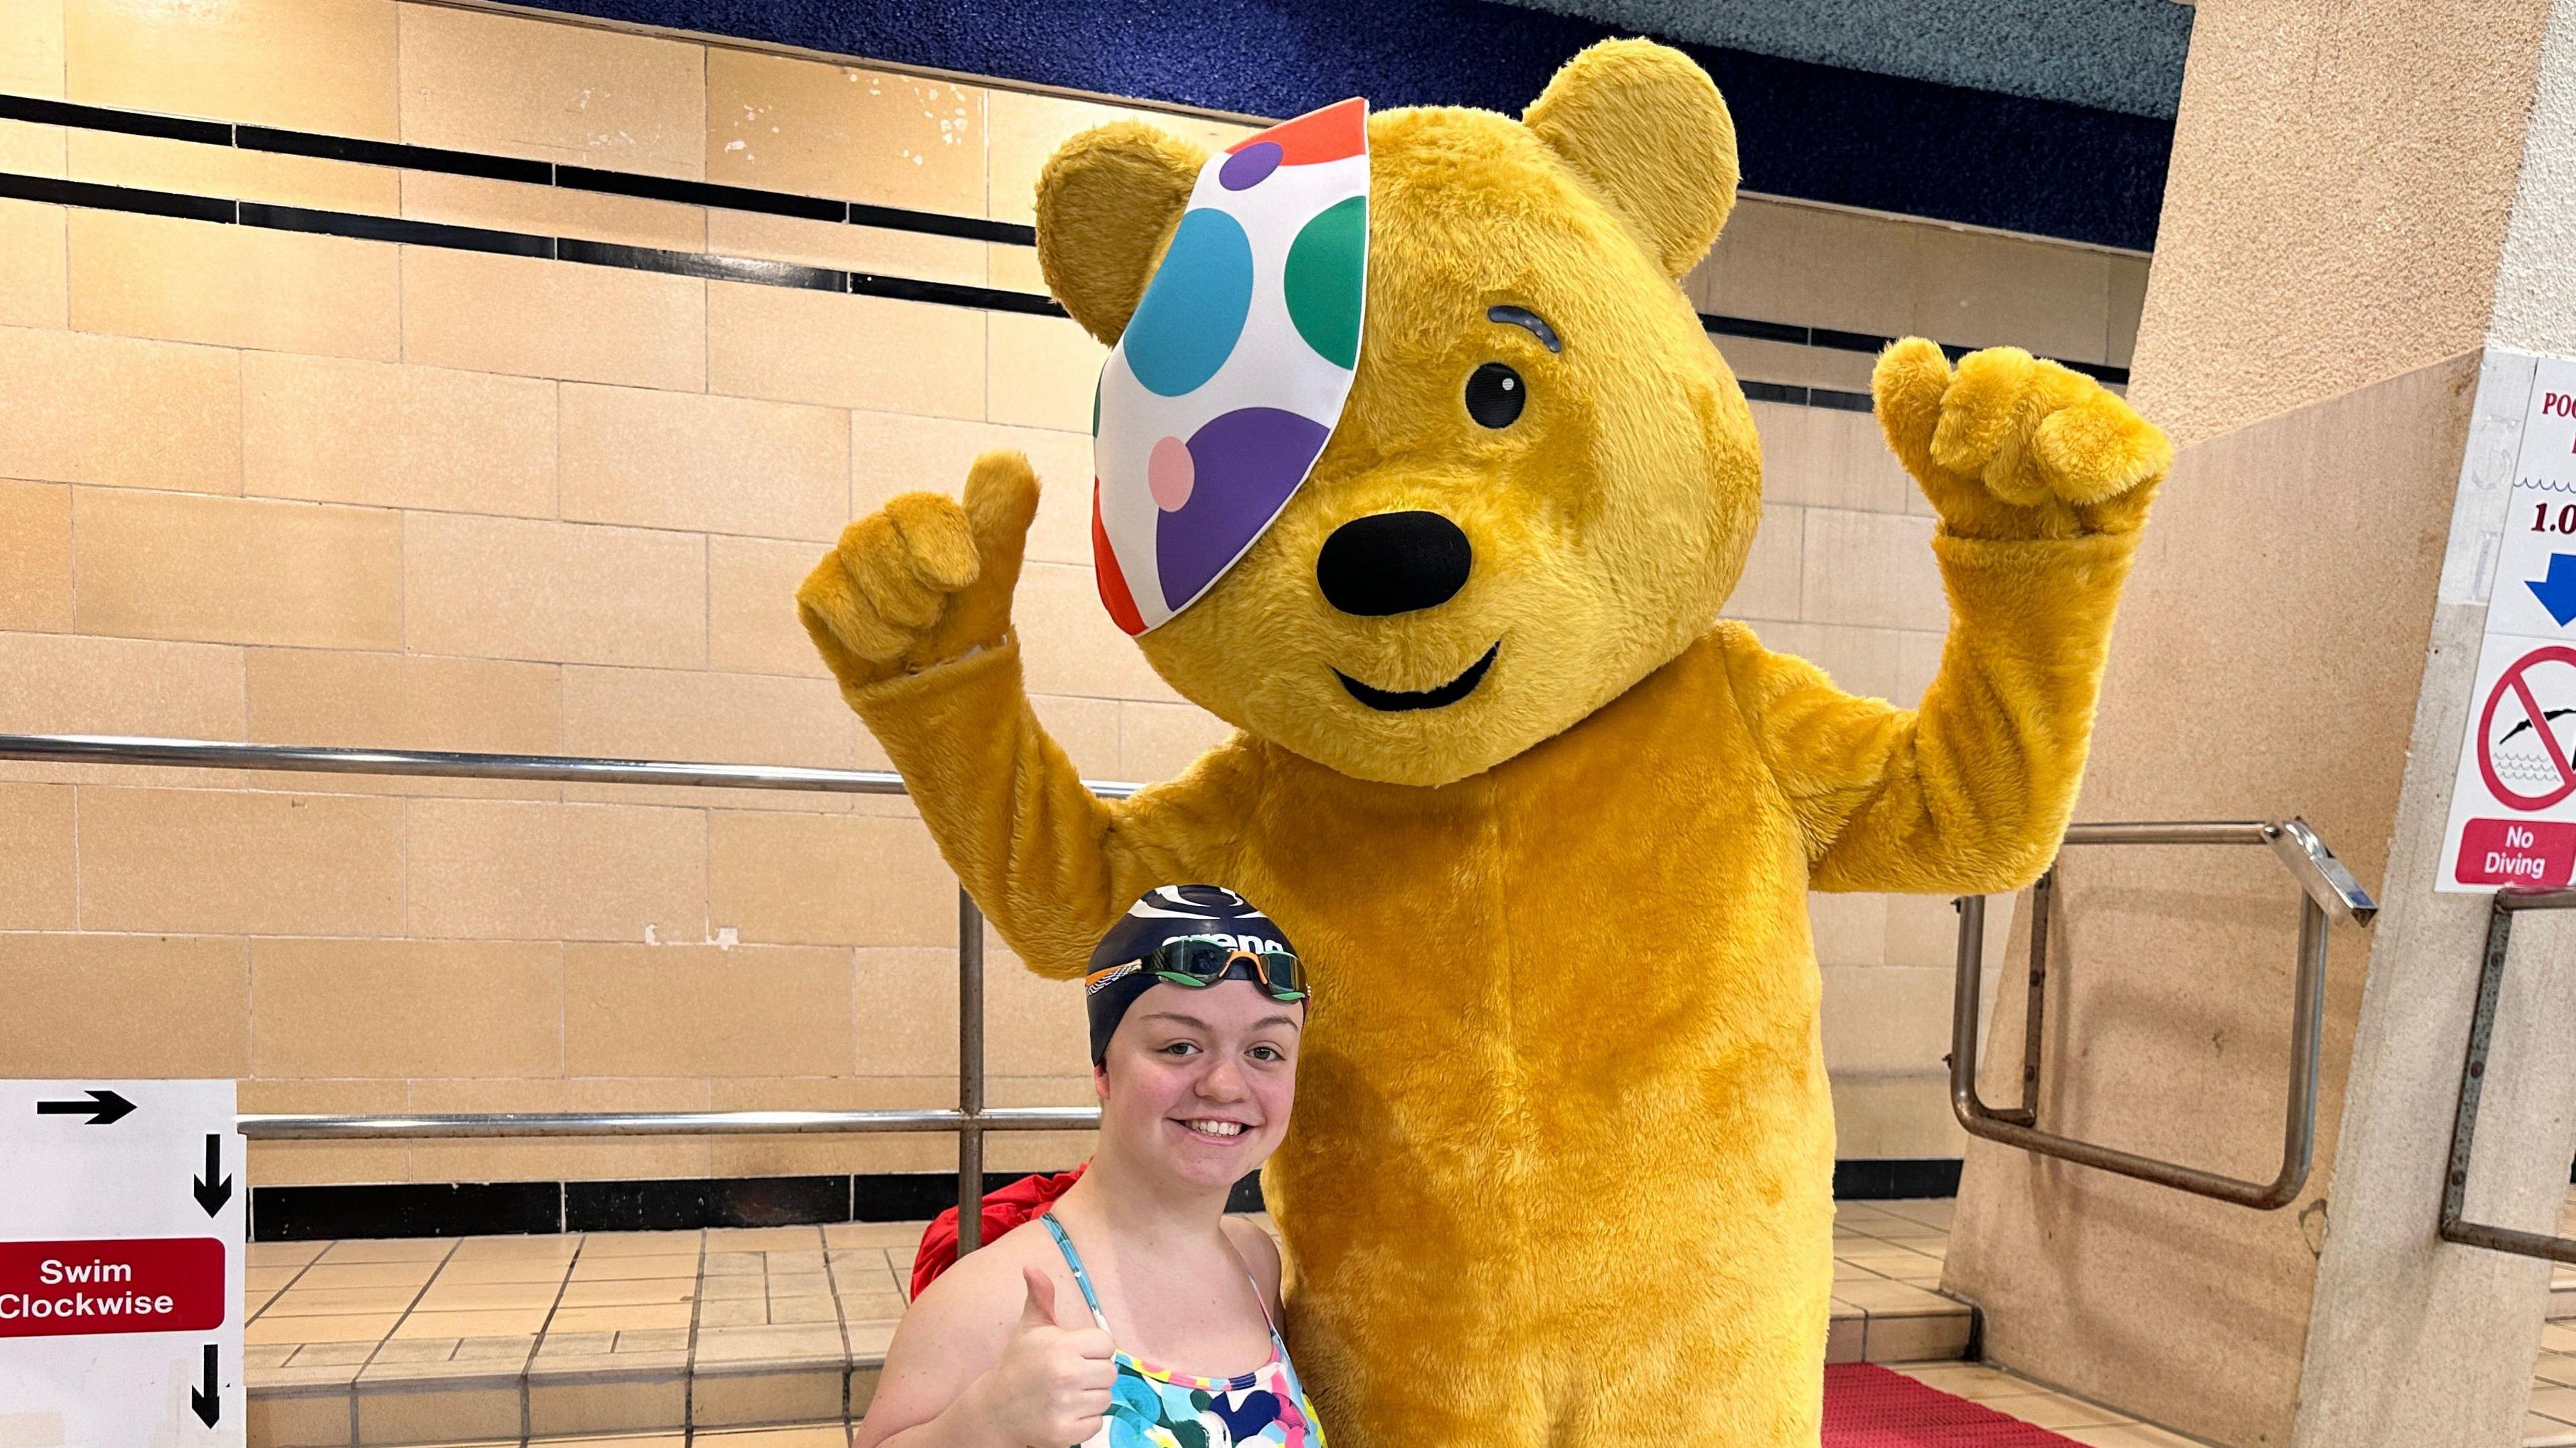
<point x="2519" y="753"/>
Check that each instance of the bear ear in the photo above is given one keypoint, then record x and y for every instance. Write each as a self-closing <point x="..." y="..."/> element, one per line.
<point x="1107" y="204"/>
<point x="1648" y="129"/>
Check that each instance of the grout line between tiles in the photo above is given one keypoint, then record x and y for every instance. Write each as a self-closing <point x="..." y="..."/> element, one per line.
<point x="689" y="1368"/>
<point x="527" y="1369"/>
<point x="840" y="1313"/>
<point x="399" y="1319"/>
<point x="299" y="1271"/>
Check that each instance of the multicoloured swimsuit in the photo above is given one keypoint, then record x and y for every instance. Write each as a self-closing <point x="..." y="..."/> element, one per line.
<point x="1152" y="1408"/>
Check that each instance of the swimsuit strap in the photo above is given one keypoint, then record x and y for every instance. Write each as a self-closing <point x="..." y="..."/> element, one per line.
<point x="1278" y="1344"/>
<point x="1276" y="1341"/>
<point x="1091" y="1299"/>
<point x="1073" y="1261"/>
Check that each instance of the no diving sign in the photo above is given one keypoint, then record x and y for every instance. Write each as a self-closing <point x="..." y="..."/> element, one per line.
<point x="120" y="1265"/>
<point x="2513" y="800"/>
<point x="2521" y="759"/>
<point x="2521" y="741"/>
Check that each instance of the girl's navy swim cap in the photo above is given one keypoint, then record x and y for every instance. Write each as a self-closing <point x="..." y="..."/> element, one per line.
<point x="1166" y="912"/>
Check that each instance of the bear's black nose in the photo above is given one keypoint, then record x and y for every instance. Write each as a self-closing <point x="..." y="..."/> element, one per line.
<point x="1390" y="563"/>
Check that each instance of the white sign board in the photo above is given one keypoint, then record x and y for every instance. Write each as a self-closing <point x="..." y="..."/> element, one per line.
<point x="121" y="1210"/>
<point x="2513" y="801"/>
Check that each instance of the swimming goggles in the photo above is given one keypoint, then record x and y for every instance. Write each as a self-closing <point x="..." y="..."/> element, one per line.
<point x="1197" y="961"/>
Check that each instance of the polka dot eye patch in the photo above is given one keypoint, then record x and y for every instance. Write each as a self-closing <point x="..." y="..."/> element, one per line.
<point x="1220" y="395"/>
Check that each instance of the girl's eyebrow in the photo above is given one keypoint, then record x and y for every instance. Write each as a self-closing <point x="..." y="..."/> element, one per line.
<point x="1528" y="320"/>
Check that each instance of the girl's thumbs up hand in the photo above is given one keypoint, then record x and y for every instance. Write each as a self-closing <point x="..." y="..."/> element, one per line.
<point x="1052" y="1386"/>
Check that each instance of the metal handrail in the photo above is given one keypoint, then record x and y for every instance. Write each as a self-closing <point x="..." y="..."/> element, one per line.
<point x="656" y="1123"/>
<point x="2454" y="1226"/>
<point x="2328" y="892"/>
<point x="970" y="1120"/>
<point x="439" y="764"/>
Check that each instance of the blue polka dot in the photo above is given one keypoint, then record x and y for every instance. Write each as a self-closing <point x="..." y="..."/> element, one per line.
<point x="1192" y="312"/>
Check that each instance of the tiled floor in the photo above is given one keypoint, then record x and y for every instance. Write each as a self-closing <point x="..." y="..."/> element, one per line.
<point x="412" y="1341"/>
<point x="661" y="1339"/>
<point x="1887" y="1265"/>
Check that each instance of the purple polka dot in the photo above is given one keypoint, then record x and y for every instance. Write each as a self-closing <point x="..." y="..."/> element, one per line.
<point x="1246" y="463"/>
<point x="1245" y="168"/>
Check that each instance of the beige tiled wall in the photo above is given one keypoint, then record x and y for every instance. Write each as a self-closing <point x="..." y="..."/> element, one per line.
<point x="305" y="489"/>
<point x="1819" y="266"/>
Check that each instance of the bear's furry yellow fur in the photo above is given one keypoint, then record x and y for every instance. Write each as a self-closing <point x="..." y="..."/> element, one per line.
<point x="1561" y="1167"/>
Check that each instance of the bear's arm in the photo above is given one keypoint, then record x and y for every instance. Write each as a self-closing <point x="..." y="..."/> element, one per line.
<point x="1969" y="792"/>
<point x="1051" y="863"/>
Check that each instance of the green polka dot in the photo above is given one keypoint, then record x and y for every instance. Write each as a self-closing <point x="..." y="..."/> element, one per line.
<point x="1324" y="278"/>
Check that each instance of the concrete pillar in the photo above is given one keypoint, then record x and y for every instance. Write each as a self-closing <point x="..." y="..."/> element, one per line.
<point x="2337" y="201"/>
<point x="2412" y="1340"/>
<point x="2369" y="204"/>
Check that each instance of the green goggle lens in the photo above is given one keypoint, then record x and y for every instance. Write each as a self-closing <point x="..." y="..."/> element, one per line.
<point x="1196" y="962"/>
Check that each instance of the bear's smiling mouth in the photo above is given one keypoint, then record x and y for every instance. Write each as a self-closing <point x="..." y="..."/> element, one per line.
<point x="1391" y="701"/>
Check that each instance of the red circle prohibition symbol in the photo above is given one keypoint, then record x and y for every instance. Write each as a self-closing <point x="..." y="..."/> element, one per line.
<point x="2513" y="681"/>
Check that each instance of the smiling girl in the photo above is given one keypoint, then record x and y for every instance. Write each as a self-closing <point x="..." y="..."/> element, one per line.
<point x="1142" y="1316"/>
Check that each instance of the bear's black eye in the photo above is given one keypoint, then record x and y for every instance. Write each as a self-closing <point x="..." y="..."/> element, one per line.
<point x="1495" y="394"/>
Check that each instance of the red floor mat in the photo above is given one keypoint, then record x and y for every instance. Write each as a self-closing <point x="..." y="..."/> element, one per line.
<point x="1866" y="1406"/>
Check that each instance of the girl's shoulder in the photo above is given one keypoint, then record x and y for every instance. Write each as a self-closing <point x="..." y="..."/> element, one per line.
<point x="986" y="1288"/>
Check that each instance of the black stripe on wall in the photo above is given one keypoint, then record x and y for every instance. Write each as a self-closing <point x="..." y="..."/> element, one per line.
<point x="481" y="1209"/>
<point x="1887" y="1179"/>
<point x="98" y="197"/>
<point x="679" y="1206"/>
<point x="462" y="1209"/>
<point x="41" y="111"/>
<point x="394" y="154"/>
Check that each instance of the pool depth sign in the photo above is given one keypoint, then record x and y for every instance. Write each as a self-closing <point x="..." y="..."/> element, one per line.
<point x="121" y="1264"/>
<point x="2513" y="802"/>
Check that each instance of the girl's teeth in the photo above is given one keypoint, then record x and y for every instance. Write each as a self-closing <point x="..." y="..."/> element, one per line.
<point x="1218" y="1128"/>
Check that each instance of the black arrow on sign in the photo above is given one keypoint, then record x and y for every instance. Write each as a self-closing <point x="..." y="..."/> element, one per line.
<point x="208" y="1403"/>
<point x="103" y="1108"/>
<point x="214" y="1188"/>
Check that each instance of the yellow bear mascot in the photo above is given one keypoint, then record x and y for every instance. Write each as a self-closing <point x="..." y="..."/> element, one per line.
<point x="1542" y="825"/>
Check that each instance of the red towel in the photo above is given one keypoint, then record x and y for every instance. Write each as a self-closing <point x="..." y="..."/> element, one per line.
<point x="1866" y="1406"/>
<point x="1021" y="1202"/>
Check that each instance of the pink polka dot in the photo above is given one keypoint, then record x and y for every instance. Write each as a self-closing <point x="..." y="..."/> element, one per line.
<point x="1171" y="474"/>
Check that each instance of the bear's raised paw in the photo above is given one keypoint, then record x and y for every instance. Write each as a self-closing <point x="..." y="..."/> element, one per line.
<point x="925" y="579"/>
<point x="2011" y="446"/>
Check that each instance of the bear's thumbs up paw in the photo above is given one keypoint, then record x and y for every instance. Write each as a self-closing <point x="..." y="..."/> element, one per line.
<point x="924" y="580"/>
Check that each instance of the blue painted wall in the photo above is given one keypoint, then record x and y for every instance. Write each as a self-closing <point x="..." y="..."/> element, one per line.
<point x="2120" y="55"/>
<point x="1820" y="132"/>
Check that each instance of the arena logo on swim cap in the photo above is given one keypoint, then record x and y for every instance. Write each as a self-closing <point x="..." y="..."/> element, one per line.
<point x="1228" y="381"/>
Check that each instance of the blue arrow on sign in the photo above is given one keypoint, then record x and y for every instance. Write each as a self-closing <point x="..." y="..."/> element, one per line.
<point x="2557" y="592"/>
